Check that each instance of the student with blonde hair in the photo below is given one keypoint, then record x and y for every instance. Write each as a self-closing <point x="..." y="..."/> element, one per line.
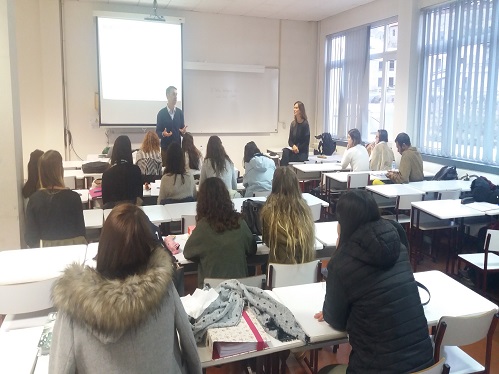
<point x="287" y="223"/>
<point x="148" y="157"/>
<point x="54" y="214"/>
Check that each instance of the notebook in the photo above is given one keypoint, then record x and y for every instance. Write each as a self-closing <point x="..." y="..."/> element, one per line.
<point x="247" y="336"/>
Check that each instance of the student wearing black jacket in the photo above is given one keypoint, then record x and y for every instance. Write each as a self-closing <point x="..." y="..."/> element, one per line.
<point x="371" y="293"/>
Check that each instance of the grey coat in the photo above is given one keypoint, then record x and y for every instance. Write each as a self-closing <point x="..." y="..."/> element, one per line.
<point x="131" y="325"/>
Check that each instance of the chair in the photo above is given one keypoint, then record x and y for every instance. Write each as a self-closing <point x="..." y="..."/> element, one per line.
<point x="484" y="263"/>
<point x="187" y="220"/>
<point x="261" y="193"/>
<point x="438" y="368"/>
<point x="453" y="332"/>
<point x="316" y="211"/>
<point x="403" y="205"/>
<point x="26" y="297"/>
<point x="357" y="180"/>
<point x="254" y="281"/>
<point x="282" y="275"/>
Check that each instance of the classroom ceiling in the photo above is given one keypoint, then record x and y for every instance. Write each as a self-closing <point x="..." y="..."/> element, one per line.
<point x="298" y="10"/>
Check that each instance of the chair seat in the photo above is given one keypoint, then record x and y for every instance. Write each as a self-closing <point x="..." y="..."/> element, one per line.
<point x="402" y="218"/>
<point x="477" y="259"/>
<point x="459" y="361"/>
<point x="437" y="225"/>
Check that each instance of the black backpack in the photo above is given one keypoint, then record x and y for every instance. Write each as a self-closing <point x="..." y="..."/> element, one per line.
<point x="327" y="145"/>
<point x="446" y="173"/>
<point x="95" y="167"/>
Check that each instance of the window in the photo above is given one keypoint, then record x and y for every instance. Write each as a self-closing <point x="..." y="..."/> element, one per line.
<point x="459" y="110"/>
<point x="360" y="80"/>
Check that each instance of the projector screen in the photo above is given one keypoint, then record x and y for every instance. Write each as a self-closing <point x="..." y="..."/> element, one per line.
<point x="138" y="60"/>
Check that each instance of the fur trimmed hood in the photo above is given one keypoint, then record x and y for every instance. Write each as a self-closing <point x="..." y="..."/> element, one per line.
<point x="110" y="307"/>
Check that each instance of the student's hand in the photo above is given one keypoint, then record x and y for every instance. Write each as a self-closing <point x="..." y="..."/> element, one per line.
<point x="318" y="316"/>
<point x="183" y="130"/>
<point x="166" y="134"/>
<point x="295" y="148"/>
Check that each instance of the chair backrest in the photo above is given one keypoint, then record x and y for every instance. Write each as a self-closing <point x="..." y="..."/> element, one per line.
<point x="439" y="368"/>
<point x="404" y="201"/>
<point x="187" y="220"/>
<point x="357" y="180"/>
<point x="464" y="330"/>
<point x="26" y="297"/>
<point x="282" y="275"/>
<point x="261" y="193"/>
<point x="70" y="182"/>
<point x="316" y="211"/>
<point x="491" y="241"/>
<point x="449" y="195"/>
<point x="254" y="281"/>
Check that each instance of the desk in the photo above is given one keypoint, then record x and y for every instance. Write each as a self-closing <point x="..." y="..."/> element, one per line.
<point x="74" y="164"/>
<point x="437" y="186"/>
<point x="393" y="190"/>
<point x="322" y="159"/>
<point x="18" y="349"/>
<point x="327" y="233"/>
<point x="157" y="213"/>
<point x="314" y="171"/>
<point x="94" y="218"/>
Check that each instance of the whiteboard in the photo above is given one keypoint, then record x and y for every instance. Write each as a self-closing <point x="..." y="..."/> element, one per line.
<point x="231" y="102"/>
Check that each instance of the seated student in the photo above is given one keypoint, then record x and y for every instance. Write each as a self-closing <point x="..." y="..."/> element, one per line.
<point x="221" y="240"/>
<point x="54" y="213"/>
<point x="176" y="183"/>
<point x="411" y="162"/>
<point x="259" y="170"/>
<point x="381" y="154"/>
<point x="148" y="157"/>
<point x="193" y="157"/>
<point x="124" y="316"/>
<point x="33" y="182"/>
<point x="287" y="223"/>
<point x="122" y="182"/>
<point x="372" y="295"/>
<point x="218" y="164"/>
<point x="356" y="156"/>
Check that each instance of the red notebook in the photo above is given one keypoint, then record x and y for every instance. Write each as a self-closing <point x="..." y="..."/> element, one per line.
<point x="247" y="336"/>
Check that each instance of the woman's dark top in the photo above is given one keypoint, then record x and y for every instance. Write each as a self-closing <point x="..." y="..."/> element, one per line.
<point x="53" y="215"/>
<point x="299" y="135"/>
<point x="371" y="293"/>
<point x="121" y="182"/>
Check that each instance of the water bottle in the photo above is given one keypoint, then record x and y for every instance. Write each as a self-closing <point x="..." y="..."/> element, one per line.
<point x="394" y="166"/>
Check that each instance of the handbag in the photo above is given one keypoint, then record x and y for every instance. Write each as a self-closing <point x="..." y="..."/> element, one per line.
<point x="251" y="214"/>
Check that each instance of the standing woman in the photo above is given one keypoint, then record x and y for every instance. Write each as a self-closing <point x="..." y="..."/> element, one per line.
<point x="299" y="137"/>
<point x="124" y="316"/>
<point x="176" y="183"/>
<point x="371" y="293"/>
<point x="218" y="164"/>
<point x="193" y="157"/>
<point x="259" y="170"/>
<point x="222" y="240"/>
<point x="287" y="223"/>
<point x="54" y="213"/>
<point x="355" y="157"/>
<point x="33" y="182"/>
<point x="381" y="154"/>
<point x="148" y="157"/>
<point x="122" y="182"/>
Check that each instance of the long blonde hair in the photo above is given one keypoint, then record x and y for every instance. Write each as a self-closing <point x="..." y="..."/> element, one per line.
<point x="150" y="144"/>
<point x="288" y="226"/>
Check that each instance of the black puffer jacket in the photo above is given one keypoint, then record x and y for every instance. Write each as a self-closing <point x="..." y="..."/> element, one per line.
<point x="371" y="293"/>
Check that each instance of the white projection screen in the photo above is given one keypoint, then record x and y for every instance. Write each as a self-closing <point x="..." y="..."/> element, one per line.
<point x="138" y="60"/>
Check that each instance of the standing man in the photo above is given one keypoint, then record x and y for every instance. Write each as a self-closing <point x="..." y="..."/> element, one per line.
<point x="170" y="122"/>
<point x="411" y="163"/>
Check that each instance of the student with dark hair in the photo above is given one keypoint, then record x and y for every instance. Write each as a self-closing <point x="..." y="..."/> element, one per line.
<point x="33" y="182"/>
<point x="381" y="154"/>
<point x="222" y="240"/>
<point x="372" y="295"/>
<point x="125" y="316"/>
<point x="193" y="157"/>
<point x="54" y="214"/>
<point x="122" y="182"/>
<point x="218" y="164"/>
<point x="355" y="157"/>
<point x="287" y="223"/>
<point x="176" y="183"/>
<point x="299" y="137"/>
<point x="259" y="170"/>
<point x="411" y="162"/>
<point x="170" y="124"/>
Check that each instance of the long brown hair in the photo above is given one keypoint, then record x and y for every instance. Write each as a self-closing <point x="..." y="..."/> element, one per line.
<point x="215" y="152"/>
<point x="287" y="219"/>
<point x="126" y="242"/>
<point x="50" y="170"/>
<point x="191" y="150"/>
<point x="150" y="144"/>
<point x="214" y="205"/>
<point x="302" y="111"/>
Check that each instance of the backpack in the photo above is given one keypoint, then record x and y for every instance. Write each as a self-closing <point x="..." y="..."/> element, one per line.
<point x="327" y="145"/>
<point x="95" y="167"/>
<point x="446" y="173"/>
<point x="251" y="214"/>
<point x="484" y="190"/>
